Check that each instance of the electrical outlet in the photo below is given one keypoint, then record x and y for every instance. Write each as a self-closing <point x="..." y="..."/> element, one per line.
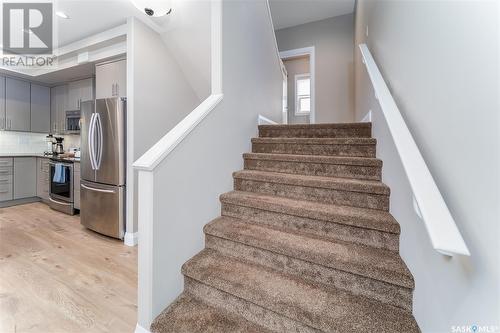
<point x="366" y="31"/>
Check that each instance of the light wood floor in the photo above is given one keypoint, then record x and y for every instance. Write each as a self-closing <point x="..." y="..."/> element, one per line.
<point x="56" y="276"/>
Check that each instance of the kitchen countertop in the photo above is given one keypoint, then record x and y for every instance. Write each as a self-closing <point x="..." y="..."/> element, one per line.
<point x="72" y="159"/>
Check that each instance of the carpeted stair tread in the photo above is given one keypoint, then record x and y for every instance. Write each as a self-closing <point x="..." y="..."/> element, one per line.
<point x="324" y="309"/>
<point x="341" y="160"/>
<point x="315" y="126"/>
<point x="316" y="130"/>
<point x="316" y="165"/>
<point x="343" y="184"/>
<point x="353" y="216"/>
<point x="354" y="146"/>
<point x="190" y="315"/>
<point x="378" y="264"/>
<point x="316" y="141"/>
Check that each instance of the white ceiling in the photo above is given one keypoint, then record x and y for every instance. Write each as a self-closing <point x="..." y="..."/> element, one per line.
<point x="89" y="17"/>
<point x="289" y="13"/>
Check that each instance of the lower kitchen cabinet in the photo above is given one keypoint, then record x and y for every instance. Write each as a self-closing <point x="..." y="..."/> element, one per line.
<point x="6" y="172"/>
<point x="42" y="185"/>
<point x="24" y="177"/>
<point x="76" y="185"/>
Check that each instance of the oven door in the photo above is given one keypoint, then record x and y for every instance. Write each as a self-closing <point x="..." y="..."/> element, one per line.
<point x="61" y="186"/>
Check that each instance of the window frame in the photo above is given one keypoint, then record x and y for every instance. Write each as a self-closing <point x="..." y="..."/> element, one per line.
<point x="297" y="97"/>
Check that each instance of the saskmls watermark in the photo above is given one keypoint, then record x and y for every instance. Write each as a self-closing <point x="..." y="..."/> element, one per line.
<point x="28" y="35"/>
<point x="475" y="329"/>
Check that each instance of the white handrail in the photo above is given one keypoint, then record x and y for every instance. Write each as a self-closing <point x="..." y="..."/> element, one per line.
<point x="270" y="16"/>
<point x="428" y="201"/>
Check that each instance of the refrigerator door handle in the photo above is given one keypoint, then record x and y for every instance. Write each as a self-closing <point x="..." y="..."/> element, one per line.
<point x="96" y="189"/>
<point x="100" y="138"/>
<point x="91" y="142"/>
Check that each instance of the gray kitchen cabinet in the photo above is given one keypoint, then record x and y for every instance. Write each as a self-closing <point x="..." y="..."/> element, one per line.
<point x="76" y="185"/>
<point x="3" y="122"/>
<point x="78" y="92"/>
<point x="42" y="184"/>
<point x="40" y="109"/>
<point x="58" y="97"/>
<point x="6" y="181"/>
<point x="111" y="79"/>
<point x="24" y="177"/>
<point x="17" y="105"/>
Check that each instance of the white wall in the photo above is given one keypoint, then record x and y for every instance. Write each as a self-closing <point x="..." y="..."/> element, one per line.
<point x="333" y="39"/>
<point x="440" y="59"/>
<point x="189" y="181"/>
<point x="293" y="67"/>
<point x="187" y="37"/>
<point x="159" y="96"/>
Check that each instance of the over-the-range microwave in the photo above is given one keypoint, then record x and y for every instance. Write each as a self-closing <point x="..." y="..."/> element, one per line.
<point x="72" y="122"/>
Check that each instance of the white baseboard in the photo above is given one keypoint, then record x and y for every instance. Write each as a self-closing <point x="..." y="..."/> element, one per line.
<point x="130" y="238"/>
<point x="140" y="329"/>
<point x="368" y="117"/>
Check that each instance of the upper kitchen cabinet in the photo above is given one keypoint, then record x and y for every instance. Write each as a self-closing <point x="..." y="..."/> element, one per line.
<point x="40" y="109"/>
<point x="58" y="102"/>
<point x="111" y="79"/>
<point x="78" y="92"/>
<point x="17" y="105"/>
<point x="3" y="122"/>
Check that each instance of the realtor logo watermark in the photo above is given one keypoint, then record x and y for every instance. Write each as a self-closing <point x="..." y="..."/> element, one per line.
<point x="28" y="32"/>
<point x="475" y="329"/>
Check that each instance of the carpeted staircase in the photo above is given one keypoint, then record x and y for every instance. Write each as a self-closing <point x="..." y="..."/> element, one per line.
<point x="305" y="243"/>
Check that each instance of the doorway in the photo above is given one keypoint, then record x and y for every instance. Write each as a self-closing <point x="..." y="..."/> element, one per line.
<point x="299" y="92"/>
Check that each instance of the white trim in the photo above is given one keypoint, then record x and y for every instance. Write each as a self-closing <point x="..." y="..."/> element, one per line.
<point x="92" y="40"/>
<point x="130" y="172"/>
<point x="130" y="238"/>
<point x="261" y="120"/>
<point x="284" y="108"/>
<point x="140" y="329"/>
<point x="428" y="201"/>
<point x="103" y="45"/>
<point x="145" y="257"/>
<point x="306" y="51"/>
<point x="367" y="118"/>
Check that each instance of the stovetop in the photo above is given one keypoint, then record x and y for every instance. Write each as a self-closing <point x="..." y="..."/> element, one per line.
<point x="64" y="159"/>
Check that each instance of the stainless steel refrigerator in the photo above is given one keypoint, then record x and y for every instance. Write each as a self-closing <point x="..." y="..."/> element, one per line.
<point x="102" y="192"/>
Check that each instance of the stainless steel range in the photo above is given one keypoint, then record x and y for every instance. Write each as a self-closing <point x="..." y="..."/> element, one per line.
<point x="102" y="191"/>
<point x="61" y="186"/>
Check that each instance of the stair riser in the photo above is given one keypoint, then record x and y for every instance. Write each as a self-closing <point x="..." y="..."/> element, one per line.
<point x="362" y="132"/>
<point x="324" y="229"/>
<point x="315" y="169"/>
<point x="248" y="310"/>
<point x="356" y="284"/>
<point x="367" y="150"/>
<point x="325" y="195"/>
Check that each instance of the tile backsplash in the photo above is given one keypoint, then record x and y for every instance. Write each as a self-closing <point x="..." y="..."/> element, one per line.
<point x="21" y="142"/>
<point x="24" y="142"/>
<point x="71" y="141"/>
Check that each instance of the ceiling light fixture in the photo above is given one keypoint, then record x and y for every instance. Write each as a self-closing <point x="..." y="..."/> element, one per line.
<point x="153" y="8"/>
<point x="62" y="15"/>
